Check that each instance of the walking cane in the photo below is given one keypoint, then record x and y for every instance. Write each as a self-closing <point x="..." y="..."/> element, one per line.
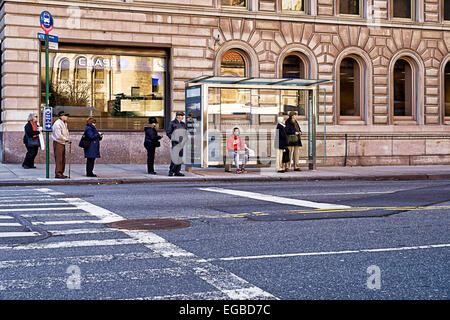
<point x="70" y="155"/>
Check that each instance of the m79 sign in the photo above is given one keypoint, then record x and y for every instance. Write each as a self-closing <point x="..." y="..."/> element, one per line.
<point x="46" y="21"/>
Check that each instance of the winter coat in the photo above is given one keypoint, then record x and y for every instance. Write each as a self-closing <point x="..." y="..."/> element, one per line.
<point x="291" y="129"/>
<point x="239" y="141"/>
<point x="29" y="133"/>
<point x="173" y="126"/>
<point x="281" y="134"/>
<point x="93" y="151"/>
<point x="151" y="138"/>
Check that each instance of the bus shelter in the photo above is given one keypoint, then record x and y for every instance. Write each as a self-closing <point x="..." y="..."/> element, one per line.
<point x="215" y="105"/>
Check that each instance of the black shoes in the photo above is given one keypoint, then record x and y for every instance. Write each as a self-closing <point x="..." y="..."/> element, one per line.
<point x="177" y="174"/>
<point x="91" y="175"/>
<point x="152" y="172"/>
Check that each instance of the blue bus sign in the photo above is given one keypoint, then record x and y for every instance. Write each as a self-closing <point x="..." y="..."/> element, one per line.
<point x="46" y="21"/>
<point x="47" y="119"/>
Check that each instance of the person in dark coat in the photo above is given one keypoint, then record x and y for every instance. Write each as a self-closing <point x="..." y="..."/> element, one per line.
<point x="31" y="133"/>
<point x="294" y="135"/>
<point x="93" y="151"/>
<point x="282" y="144"/>
<point x="151" y="142"/>
<point x="176" y="124"/>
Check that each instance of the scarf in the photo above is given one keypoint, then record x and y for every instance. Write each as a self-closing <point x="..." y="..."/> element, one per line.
<point x="35" y="128"/>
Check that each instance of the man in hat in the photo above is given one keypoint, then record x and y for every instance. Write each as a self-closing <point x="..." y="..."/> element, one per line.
<point x="60" y="136"/>
<point x="176" y="137"/>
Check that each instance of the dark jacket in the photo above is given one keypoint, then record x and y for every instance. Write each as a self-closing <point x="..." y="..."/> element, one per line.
<point x="29" y="133"/>
<point x="173" y="126"/>
<point x="282" y="137"/>
<point x="151" y="138"/>
<point x="93" y="151"/>
<point x="291" y="129"/>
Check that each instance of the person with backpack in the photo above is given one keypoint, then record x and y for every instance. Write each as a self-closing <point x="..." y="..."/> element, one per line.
<point x="151" y="142"/>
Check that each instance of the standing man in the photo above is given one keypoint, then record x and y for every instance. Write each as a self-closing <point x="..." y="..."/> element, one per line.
<point x="60" y="136"/>
<point x="176" y="159"/>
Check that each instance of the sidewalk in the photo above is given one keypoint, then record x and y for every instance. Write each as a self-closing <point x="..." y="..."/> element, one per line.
<point x="14" y="174"/>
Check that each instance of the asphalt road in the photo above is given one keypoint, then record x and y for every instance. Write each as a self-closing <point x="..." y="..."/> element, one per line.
<point x="286" y="240"/>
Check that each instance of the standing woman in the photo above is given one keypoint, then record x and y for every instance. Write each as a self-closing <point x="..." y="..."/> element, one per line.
<point x="294" y="133"/>
<point x="151" y="142"/>
<point x="31" y="141"/>
<point x="93" y="151"/>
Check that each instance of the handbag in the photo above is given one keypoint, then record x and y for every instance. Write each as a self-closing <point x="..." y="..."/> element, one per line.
<point x="33" y="142"/>
<point x="293" y="139"/>
<point x="286" y="158"/>
<point x="84" y="142"/>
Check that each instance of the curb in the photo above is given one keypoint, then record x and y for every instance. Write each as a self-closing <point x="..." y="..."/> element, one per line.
<point x="225" y="179"/>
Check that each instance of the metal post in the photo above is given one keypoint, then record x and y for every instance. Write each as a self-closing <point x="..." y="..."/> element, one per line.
<point x="311" y="130"/>
<point x="47" y="140"/>
<point x="324" y="126"/>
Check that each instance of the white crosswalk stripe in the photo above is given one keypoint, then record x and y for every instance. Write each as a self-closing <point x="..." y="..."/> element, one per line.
<point x="76" y="226"/>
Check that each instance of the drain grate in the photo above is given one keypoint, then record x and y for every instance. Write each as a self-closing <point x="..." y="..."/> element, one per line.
<point x="149" y="224"/>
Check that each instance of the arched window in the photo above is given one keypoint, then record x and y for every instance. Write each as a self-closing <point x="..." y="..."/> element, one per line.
<point x="64" y="69"/>
<point x="294" y="67"/>
<point x="233" y="64"/>
<point x="403" y="89"/>
<point x="350" y="88"/>
<point x="447" y="90"/>
<point x="81" y="68"/>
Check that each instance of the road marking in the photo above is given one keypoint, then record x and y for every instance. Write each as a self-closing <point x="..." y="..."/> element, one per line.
<point x="10" y="224"/>
<point x="65" y="222"/>
<point x="77" y="260"/>
<point x="92" y="278"/>
<point x="19" y="234"/>
<point x="32" y="204"/>
<point x="323" y="253"/>
<point x="226" y="282"/>
<point x="276" y="199"/>
<point x="37" y="209"/>
<point x="73" y="244"/>
<point x="6" y="217"/>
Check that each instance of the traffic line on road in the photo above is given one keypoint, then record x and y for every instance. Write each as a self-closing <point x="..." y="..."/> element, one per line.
<point x="275" y="199"/>
<point x="323" y="253"/>
<point x="19" y="234"/>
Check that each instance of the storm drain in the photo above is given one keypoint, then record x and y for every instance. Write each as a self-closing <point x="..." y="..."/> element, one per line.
<point x="149" y="224"/>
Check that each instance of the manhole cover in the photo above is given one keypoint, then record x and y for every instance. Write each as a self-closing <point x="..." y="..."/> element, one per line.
<point x="149" y="224"/>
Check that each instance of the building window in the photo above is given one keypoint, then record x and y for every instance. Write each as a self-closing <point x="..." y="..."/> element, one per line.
<point x="446" y="5"/>
<point x="352" y="7"/>
<point x="403" y="89"/>
<point x="350" y="88"/>
<point x="293" y="5"/>
<point x="121" y="89"/>
<point x="403" y="9"/>
<point x="294" y="67"/>
<point x="233" y="64"/>
<point x="447" y="90"/>
<point x="64" y="69"/>
<point x="234" y="3"/>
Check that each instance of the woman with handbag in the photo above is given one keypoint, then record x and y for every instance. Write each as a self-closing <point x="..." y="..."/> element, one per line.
<point x="31" y="141"/>
<point x="282" y="146"/>
<point x="92" y="152"/>
<point x="294" y="133"/>
<point x="151" y="142"/>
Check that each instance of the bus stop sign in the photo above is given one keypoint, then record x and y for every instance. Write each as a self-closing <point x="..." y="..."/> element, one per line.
<point x="46" y="21"/>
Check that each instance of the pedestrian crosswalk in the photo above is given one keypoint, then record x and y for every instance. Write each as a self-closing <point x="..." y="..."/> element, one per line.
<point x="44" y="233"/>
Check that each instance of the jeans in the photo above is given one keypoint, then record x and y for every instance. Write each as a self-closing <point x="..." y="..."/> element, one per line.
<point x="235" y="156"/>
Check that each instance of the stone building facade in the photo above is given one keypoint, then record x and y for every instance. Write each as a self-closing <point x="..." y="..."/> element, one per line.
<point x="388" y="101"/>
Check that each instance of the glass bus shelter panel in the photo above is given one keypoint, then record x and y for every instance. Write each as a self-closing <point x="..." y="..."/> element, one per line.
<point x="295" y="100"/>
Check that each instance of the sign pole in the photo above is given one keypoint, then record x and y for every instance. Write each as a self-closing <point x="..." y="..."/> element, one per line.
<point x="47" y="142"/>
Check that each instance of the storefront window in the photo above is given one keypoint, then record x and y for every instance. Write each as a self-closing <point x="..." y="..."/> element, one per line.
<point x="402" y="9"/>
<point x="293" y="5"/>
<point x="120" y="90"/>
